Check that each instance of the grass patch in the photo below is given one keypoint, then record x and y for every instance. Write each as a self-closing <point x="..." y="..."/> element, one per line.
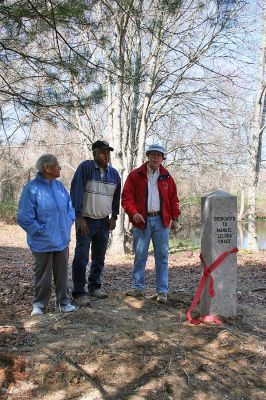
<point x="8" y="212"/>
<point x="245" y="251"/>
<point x="177" y="245"/>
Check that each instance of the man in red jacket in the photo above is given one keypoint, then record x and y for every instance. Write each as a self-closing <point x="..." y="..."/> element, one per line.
<point x="149" y="198"/>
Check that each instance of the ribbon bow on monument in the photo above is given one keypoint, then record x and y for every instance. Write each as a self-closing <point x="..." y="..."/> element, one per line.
<point x="207" y="274"/>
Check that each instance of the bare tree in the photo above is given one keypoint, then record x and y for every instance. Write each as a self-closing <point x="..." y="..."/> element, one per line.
<point x="159" y="61"/>
<point x="257" y="129"/>
<point x="133" y="71"/>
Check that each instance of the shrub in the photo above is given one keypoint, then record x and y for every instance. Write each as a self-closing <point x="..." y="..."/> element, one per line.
<point x="8" y="212"/>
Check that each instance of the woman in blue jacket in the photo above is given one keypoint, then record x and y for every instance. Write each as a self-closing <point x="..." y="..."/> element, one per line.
<point x="46" y="214"/>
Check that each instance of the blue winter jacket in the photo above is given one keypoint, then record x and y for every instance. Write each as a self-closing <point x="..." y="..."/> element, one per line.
<point x="46" y="214"/>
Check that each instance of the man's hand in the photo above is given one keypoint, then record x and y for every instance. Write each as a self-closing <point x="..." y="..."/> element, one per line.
<point x="112" y="223"/>
<point x="174" y="226"/>
<point x="82" y="226"/>
<point x="138" y="218"/>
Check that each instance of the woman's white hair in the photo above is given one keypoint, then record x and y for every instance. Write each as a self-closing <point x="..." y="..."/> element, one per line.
<point x="45" y="159"/>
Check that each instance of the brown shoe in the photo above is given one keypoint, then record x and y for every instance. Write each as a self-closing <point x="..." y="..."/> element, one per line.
<point x="134" y="292"/>
<point x="82" y="301"/>
<point x="98" y="293"/>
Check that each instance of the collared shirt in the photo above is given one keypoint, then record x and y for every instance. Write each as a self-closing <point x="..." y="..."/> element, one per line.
<point x="102" y="170"/>
<point x="153" y="192"/>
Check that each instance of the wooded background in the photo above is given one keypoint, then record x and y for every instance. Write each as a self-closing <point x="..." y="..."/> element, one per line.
<point x="187" y="74"/>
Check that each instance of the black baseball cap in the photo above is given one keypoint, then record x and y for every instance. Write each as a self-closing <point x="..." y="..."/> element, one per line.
<point x="101" y="144"/>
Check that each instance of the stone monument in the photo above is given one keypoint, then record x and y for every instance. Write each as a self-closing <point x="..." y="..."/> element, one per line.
<point x="219" y="235"/>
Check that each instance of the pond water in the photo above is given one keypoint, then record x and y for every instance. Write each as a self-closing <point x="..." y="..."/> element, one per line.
<point x="194" y="234"/>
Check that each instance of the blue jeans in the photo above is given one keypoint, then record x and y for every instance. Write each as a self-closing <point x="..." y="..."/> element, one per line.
<point x="159" y="235"/>
<point x="97" y="236"/>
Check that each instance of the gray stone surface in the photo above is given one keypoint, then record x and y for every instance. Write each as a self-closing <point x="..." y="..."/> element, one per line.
<point x="219" y="234"/>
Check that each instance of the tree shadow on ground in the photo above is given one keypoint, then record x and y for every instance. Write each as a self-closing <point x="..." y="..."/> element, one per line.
<point x="124" y="348"/>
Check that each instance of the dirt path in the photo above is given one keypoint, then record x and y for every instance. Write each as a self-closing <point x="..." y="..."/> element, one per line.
<point x="125" y="348"/>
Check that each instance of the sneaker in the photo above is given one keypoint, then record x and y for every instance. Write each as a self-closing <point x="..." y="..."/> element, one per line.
<point x="82" y="301"/>
<point x="162" y="297"/>
<point x="98" y="293"/>
<point x="134" y="292"/>
<point x="68" y="308"/>
<point x="37" y="311"/>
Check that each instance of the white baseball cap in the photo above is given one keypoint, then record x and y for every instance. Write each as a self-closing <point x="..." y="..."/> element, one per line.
<point x="156" y="147"/>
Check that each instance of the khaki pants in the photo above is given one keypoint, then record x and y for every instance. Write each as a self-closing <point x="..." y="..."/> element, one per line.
<point x="48" y="264"/>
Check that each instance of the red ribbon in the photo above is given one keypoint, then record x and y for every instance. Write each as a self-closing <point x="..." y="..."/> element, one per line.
<point x="207" y="273"/>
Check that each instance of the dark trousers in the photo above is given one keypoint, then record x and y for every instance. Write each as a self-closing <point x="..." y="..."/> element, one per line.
<point x="97" y="237"/>
<point x="47" y="265"/>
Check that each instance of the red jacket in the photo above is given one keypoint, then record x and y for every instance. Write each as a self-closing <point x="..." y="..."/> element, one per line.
<point x="135" y="195"/>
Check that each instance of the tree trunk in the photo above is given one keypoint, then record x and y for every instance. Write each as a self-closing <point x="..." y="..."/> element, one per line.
<point x="145" y="110"/>
<point x="241" y="212"/>
<point x="154" y="67"/>
<point x="117" y="244"/>
<point x="255" y="147"/>
<point x="81" y="135"/>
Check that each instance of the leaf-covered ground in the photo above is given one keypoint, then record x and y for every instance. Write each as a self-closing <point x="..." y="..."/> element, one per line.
<point x="125" y="348"/>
